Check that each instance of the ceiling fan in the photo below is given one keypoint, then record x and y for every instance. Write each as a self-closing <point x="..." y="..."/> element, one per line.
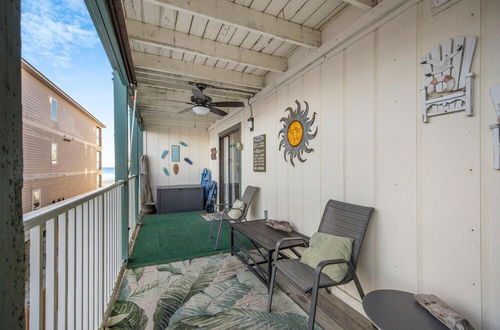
<point x="202" y="104"/>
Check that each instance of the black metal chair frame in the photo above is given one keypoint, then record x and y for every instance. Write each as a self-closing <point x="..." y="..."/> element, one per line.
<point x="247" y="197"/>
<point x="351" y="264"/>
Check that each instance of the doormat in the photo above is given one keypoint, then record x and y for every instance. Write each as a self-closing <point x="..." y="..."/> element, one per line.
<point x="208" y="216"/>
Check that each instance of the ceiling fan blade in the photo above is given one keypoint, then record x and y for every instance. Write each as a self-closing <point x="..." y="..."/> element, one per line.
<point x="199" y="95"/>
<point x="185" y="110"/>
<point x="228" y="104"/>
<point x="218" y="112"/>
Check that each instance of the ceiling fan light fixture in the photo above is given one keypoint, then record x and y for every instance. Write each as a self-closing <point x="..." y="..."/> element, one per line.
<point x="200" y="110"/>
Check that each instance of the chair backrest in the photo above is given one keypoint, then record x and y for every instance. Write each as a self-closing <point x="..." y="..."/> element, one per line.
<point x="347" y="220"/>
<point x="247" y="197"/>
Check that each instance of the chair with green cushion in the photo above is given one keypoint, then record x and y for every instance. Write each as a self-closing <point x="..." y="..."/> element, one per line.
<point x="232" y="213"/>
<point x="339" y="219"/>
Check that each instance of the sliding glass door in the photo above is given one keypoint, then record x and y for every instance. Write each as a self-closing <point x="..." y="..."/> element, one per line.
<point x="230" y="165"/>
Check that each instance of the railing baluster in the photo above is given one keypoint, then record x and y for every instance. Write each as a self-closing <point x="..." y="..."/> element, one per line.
<point x="85" y="251"/>
<point x="79" y="268"/>
<point x="50" y="274"/>
<point x="95" y="294"/>
<point x="91" y="265"/>
<point x="100" y="262"/>
<point x="36" y="267"/>
<point x="72" y="269"/>
<point x="62" y="272"/>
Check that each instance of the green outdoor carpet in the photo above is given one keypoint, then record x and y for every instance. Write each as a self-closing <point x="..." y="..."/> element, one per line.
<point x="172" y="237"/>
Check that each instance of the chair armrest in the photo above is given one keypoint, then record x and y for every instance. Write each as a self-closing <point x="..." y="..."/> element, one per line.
<point x="324" y="263"/>
<point x="286" y="239"/>
<point x="227" y="209"/>
<point x="218" y="206"/>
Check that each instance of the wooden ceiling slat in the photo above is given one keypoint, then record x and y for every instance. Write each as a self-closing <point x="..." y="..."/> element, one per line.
<point x="249" y="19"/>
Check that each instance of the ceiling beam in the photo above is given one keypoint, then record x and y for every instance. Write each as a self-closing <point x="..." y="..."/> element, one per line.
<point x="247" y="18"/>
<point x="182" y="79"/>
<point x="195" y="70"/>
<point x="158" y="88"/>
<point x="167" y="104"/>
<point x="178" y="121"/>
<point x="185" y="86"/>
<point x="363" y="4"/>
<point x="173" y="96"/>
<point x="175" y="40"/>
<point x="175" y="123"/>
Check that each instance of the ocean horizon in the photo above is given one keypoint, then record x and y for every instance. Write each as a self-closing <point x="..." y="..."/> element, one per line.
<point x="108" y="174"/>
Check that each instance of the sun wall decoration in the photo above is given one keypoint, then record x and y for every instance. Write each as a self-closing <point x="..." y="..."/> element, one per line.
<point x="297" y="132"/>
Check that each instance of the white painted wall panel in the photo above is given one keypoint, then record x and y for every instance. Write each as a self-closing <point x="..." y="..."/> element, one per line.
<point x="449" y="181"/>
<point x="160" y="138"/>
<point x="436" y="195"/>
<point x="395" y="153"/>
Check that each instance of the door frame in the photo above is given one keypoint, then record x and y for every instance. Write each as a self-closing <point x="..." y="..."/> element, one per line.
<point x="223" y="134"/>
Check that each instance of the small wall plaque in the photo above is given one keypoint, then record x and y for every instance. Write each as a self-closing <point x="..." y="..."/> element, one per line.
<point x="176" y="153"/>
<point x="213" y="153"/>
<point x="448" y="79"/>
<point x="259" y="153"/>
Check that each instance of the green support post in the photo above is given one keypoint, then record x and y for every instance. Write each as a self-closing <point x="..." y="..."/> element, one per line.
<point x="134" y="162"/>
<point x="138" y="166"/>
<point x="121" y="152"/>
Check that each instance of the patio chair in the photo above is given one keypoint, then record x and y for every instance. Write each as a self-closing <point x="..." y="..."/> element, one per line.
<point x="222" y="216"/>
<point x="340" y="219"/>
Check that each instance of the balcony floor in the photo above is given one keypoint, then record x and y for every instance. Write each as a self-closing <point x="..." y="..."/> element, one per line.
<point x="172" y="237"/>
<point x="176" y="279"/>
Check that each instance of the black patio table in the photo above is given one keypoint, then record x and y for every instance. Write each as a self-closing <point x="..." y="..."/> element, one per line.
<point x="263" y="241"/>
<point x="396" y="310"/>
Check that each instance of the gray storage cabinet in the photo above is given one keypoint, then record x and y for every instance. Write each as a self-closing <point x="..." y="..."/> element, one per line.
<point x="179" y="198"/>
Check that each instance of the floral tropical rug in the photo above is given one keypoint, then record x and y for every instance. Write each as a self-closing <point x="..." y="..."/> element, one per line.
<point x="215" y="292"/>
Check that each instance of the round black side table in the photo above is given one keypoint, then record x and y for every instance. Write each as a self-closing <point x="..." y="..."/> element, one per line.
<point x="398" y="310"/>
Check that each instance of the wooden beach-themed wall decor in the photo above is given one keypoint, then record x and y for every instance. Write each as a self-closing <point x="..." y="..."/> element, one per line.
<point x="448" y="80"/>
<point x="164" y="154"/>
<point x="297" y="132"/>
<point x="165" y="171"/>
<point x="213" y="153"/>
<point x="176" y="153"/>
<point x="189" y="161"/>
<point x="182" y="143"/>
<point x="176" y="169"/>
<point x="259" y="153"/>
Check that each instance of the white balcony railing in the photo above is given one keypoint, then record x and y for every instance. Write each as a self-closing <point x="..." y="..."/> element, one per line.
<point x="74" y="259"/>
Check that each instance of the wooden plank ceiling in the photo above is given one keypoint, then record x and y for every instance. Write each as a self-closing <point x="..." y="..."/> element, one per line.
<point x="228" y="44"/>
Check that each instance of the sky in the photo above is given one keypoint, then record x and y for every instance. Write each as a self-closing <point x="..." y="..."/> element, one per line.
<point x="60" y="41"/>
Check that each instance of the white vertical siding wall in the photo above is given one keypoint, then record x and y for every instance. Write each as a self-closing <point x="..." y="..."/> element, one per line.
<point x="160" y="138"/>
<point x="437" y="198"/>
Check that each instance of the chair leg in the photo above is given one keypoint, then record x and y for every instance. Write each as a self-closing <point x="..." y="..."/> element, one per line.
<point x="271" y="289"/>
<point x="212" y="229"/>
<point x="358" y="286"/>
<point x="312" y="308"/>
<point x="218" y="235"/>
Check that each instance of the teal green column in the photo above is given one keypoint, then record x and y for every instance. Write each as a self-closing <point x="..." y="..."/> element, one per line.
<point x="134" y="161"/>
<point x="140" y="152"/>
<point x="121" y="152"/>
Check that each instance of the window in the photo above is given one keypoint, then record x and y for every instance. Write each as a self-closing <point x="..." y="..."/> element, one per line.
<point x="98" y="160"/>
<point x="53" y="108"/>
<point x="53" y="153"/>
<point x="36" y="199"/>
<point x="98" y="136"/>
